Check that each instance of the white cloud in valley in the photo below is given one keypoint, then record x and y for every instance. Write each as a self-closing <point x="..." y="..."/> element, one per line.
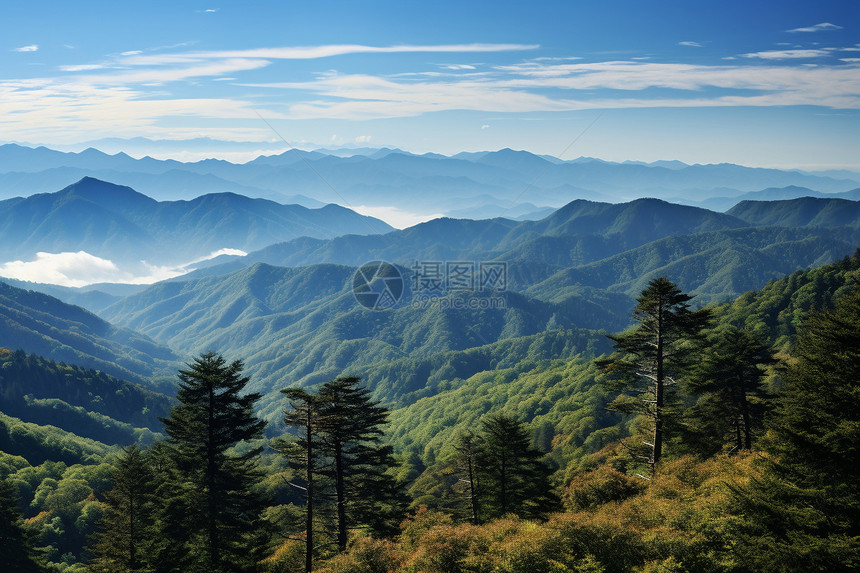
<point x="78" y="269"/>
<point x="397" y="218"/>
<point x="66" y="269"/>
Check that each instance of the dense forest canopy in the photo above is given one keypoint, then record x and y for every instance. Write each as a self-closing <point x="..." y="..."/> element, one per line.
<point x="534" y="452"/>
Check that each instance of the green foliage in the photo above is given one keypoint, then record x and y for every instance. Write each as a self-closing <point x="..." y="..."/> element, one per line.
<point x="513" y="477"/>
<point x="652" y="355"/>
<point x="42" y="443"/>
<point x="127" y="516"/>
<point x="805" y="510"/>
<point x="600" y="486"/>
<point x="775" y="311"/>
<point x="728" y="380"/>
<point x="210" y="516"/>
<point x="340" y="443"/>
<point x="43" y="325"/>
<point x="17" y="552"/>
<point x="86" y="402"/>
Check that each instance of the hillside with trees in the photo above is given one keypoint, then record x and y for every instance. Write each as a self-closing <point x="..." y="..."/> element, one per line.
<point x="522" y="455"/>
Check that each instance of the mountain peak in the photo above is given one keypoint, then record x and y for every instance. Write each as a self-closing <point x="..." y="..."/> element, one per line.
<point x="105" y="193"/>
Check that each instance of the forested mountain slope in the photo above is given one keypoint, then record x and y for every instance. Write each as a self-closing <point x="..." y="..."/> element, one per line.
<point x="40" y="324"/>
<point x="117" y="223"/>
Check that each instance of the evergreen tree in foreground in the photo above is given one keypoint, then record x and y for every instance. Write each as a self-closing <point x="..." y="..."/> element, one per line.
<point x="304" y="455"/>
<point x="728" y="377"/>
<point x="366" y="494"/>
<point x="127" y="521"/>
<point x="469" y="448"/>
<point x="345" y="466"/>
<point x="16" y="544"/>
<point x="513" y="477"/>
<point x="804" y="513"/>
<point x="651" y="354"/>
<point x="220" y="513"/>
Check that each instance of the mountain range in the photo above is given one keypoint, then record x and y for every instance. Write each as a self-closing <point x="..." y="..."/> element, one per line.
<point x="115" y="222"/>
<point x="287" y="307"/>
<point x="476" y="184"/>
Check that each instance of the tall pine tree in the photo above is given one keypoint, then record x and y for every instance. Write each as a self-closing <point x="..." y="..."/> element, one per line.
<point x="221" y="510"/>
<point x="366" y="494"/>
<point x="469" y="448"/>
<point x="651" y="354"/>
<point x="128" y="514"/>
<point x="804" y="513"/>
<point x="304" y="455"/>
<point x="728" y="380"/>
<point x="513" y="476"/>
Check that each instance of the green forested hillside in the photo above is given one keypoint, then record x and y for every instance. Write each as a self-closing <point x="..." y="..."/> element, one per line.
<point x="300" y="326"/>
<point x="563" y="398"/>
<point x="776" y="311"/>
<point x="43" y="325"/>
<point x="579" y="233"/>
<point x="714" y="265"/>
<point x="683" y="518"/>
<point x="802" y="212"/>
<point x="88" y="403"/>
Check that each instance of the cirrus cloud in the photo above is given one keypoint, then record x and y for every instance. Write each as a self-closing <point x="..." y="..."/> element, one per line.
<point x="824" y="26"/>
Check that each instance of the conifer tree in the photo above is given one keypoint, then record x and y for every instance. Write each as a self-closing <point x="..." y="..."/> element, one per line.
<point x="728" y="378"/>
<point x="650" y="355"/>
<point x="304" y="455"/>
<point x="366" y="494"/>
<point x="16" y="544"/>
<point x="804" y="513"/>
<point x="513" y="477"/>
<point x="222" y="512"/>
<point x="469" y="452"/>
<point x="128" y="515"/>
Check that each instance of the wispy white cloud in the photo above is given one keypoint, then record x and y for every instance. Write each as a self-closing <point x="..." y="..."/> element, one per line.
<point x="824" y="26"/>
<point x="523" y="88"/>
<point x="132" y="93"/>
<point x="786" y="54"/>
<point x="316" y="52"/>
<point x="218" y="253"/>
<point x="691" y="44"/>
<point x="83" y="67"/>
<point x="30" y="48"/>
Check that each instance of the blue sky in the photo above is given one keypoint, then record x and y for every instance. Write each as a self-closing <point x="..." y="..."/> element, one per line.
<point x="754" y="83"/>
